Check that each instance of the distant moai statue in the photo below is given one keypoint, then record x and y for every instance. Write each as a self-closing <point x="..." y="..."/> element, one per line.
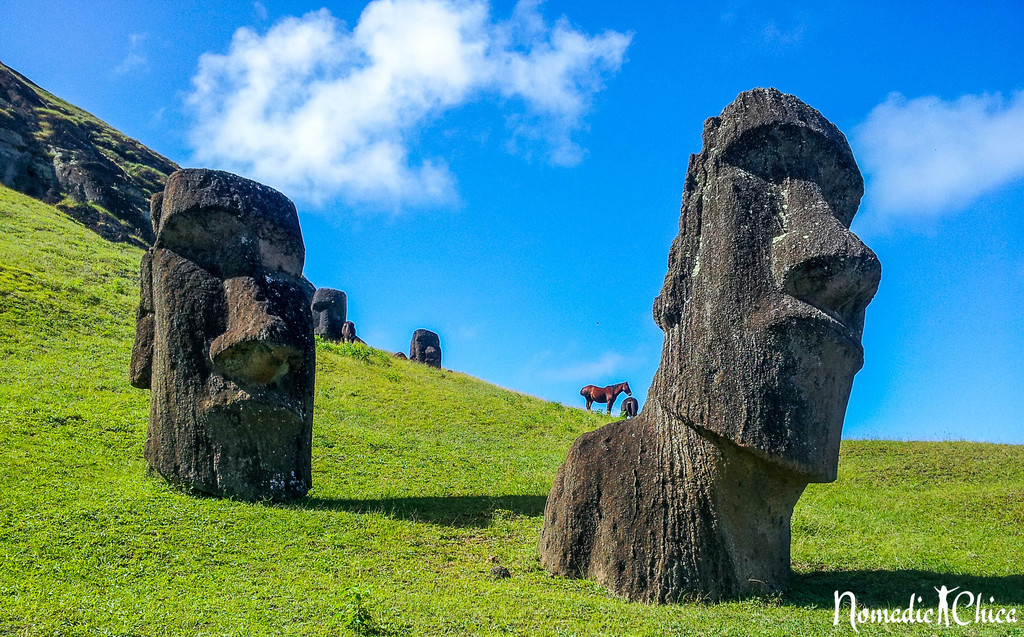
<point x="425" y="348"/>
<point x="630" y="407"/>
<point x="330" y="309"/>
<point x="224" y="339"/>
<point x="763" y="309"/>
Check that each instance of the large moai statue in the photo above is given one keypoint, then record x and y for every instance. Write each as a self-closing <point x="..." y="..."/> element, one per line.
<point x="425" y="348"/>
<point x="224" y="339"/>
<point x="330" y="310"/>
<point x="763" y="309"/>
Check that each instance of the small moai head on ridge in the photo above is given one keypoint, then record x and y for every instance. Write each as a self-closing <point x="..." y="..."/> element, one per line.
<point x="330" y="310"/>
<point x="425" y="348"/>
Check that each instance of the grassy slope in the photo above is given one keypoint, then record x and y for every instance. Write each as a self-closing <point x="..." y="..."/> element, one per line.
<point x="420" y="475"/>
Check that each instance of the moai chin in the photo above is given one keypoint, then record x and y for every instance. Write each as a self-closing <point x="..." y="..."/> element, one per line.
<point x="224" y="339"/>
<point x="330" y="310"/>
<point x="763" y="310"/>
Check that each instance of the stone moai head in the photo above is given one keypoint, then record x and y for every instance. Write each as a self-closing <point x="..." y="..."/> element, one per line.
<point x="225" y="339"/>
<point x="762" y="308"/>
<point x="763" y="304"/>
<point x="330" y="308"/>
<point x="425" y="348"/>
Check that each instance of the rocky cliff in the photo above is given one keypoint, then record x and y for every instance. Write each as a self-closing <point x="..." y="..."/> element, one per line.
<point x="62" y="155"/>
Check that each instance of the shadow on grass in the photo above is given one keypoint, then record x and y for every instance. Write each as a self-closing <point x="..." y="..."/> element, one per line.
<point x="881" y="589"/>
<point x="459" y="510"/>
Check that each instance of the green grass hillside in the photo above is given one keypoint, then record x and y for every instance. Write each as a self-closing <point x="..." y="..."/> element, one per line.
<point x="421" y="477"/>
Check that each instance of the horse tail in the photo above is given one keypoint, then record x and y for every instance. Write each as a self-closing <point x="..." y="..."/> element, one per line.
<point x="583" y="391"/>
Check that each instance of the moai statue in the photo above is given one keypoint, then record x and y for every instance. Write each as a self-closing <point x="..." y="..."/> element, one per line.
<point x="224" y="339"/>
<point x="763" y="309"/>
<point x="330" y="308"/>
<point x="425" y="348"/>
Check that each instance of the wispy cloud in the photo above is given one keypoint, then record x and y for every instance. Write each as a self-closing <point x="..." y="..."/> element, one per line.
<point x="604" y="366"/>
<point x="928" y="156"/>
<point x="322" y="111"/>
<point x="785" y="35"/>
<point x="764" y="27"/>
<point x="467" y="333"/>
<point x="135" y="60"/>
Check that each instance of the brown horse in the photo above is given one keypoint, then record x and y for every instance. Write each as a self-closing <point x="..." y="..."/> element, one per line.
<point x="609" y="394"/>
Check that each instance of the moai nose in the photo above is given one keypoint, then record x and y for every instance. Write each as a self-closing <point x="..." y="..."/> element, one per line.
<point x="258" y="346"/>
<point x="829" y="267"/>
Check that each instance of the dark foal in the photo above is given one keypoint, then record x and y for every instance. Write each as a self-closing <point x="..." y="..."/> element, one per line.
<point x="609" y="394"/>
<point x="348" y="332"/>
<point x="630" y="407"/>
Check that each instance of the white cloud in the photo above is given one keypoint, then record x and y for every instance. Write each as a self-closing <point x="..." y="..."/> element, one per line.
<point x="928" y="156"/>
<point x="323" y="111"/>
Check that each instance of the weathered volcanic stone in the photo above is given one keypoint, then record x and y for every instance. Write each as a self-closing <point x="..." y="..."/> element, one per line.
<point x="225" y="339"/>
<point x="500" y="572"/>
<point x="330" y="308"/>
<point x="762" y="309"/>
<point x="425" y="348"/>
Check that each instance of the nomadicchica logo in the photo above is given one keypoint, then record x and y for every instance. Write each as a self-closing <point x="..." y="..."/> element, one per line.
<point x="966" y="607"/>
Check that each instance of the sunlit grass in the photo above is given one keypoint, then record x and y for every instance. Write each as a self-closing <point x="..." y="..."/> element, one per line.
<point x="422" y="477"/>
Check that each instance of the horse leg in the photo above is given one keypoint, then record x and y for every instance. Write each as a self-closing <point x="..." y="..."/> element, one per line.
<point x="590" y="401"/>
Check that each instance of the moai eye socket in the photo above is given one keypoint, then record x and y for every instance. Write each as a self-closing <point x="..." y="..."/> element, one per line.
<point x="217" y="240"/>
<point x="786" y="152"/>
<point x="280" y="249"/>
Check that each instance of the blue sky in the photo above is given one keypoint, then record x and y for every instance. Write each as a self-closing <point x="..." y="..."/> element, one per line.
<point x="509" y="175"/>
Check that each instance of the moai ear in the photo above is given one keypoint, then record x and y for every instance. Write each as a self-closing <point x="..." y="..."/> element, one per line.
<point x="155" y="208"/>
<point x="142" y="352"/>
